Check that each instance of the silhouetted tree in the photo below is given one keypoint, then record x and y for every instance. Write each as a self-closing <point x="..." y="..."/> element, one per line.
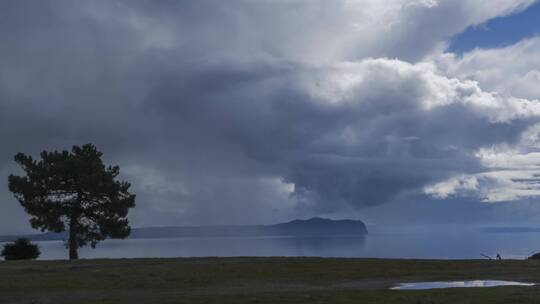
<point x="21" y="249"/>
<point x="74" y="191"/>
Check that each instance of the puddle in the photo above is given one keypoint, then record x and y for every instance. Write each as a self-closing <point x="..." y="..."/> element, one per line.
<point x="457" y="284"/>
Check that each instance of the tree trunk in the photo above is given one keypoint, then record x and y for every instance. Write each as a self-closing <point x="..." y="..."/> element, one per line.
<point x="73" y="246"/>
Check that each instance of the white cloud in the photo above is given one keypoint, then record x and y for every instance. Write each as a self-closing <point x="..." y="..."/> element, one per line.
<point x="463" y="184"/>
<point x="511" y="71"/>
<point x="510" y="172"/>
<point x="490" y="186"/>
<point x="510" y="169"/>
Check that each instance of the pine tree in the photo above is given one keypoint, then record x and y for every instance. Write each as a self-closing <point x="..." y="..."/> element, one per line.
<point x="75" y="192"/>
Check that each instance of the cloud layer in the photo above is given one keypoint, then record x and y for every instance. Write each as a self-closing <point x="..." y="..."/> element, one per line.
<point x="259" y="111"/>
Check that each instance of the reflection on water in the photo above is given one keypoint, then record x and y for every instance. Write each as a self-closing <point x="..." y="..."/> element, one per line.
<point x="223" y="246"/>
<point x="457" y="284"/>
<point x="430" y="245"/>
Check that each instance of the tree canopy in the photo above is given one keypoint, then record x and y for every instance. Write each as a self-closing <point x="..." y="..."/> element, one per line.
<point x="74" y="191"/>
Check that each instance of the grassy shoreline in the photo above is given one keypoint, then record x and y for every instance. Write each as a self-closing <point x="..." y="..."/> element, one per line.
<point x="260" y="280"/>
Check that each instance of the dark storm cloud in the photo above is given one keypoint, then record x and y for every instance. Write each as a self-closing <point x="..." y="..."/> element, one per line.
<point x="244" y="111"/>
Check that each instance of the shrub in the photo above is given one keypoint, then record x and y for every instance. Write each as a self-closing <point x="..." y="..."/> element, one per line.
<point x="21" y="249"/>
<point x="535" y="256"/>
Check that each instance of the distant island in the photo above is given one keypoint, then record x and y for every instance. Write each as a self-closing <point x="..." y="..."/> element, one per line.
<point x="312" y="227"/>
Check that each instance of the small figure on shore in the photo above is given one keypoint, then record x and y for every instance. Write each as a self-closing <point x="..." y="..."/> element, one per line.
<point x="499" y="257"/>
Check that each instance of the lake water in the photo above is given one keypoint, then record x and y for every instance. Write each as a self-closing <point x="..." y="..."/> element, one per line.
<point x="458" y="284"/>
<point x="440" y="245"/>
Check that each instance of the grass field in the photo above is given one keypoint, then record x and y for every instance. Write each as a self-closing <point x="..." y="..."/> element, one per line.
<point x="259" y="280"/>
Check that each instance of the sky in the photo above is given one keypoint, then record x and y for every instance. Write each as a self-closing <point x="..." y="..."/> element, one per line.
<point x="395" y="112"/>
<point x="499" y="32"/>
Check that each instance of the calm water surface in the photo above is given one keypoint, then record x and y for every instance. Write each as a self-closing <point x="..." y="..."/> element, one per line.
<point x="458" y="284"/>
<point x="454" y="245"/>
